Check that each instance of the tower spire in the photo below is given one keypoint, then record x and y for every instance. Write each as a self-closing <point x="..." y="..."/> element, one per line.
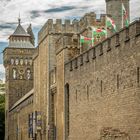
<point x="19" y="20"/>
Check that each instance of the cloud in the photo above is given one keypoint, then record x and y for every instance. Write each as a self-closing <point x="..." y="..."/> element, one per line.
<point x="35" y="14"/>
<point x="7" y="26"/>
<point x="38" y="11"/>
<point x="60" y="9"/>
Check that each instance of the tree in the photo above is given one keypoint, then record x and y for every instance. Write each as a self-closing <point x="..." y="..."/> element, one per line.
<point x="2" y="117"/>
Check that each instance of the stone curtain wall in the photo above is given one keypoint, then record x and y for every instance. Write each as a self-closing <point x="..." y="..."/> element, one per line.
<point x="104" y="100"/>
<point x="76" y="26"/>
<point x="19" y="119"/>
<point x="45" y="61"/>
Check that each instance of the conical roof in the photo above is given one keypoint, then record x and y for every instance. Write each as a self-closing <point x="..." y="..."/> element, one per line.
<point x="20" y="31"/>
<point x="21" y="38"/>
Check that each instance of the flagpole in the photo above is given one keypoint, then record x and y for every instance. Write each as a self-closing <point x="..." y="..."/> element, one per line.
<point x="93" y="29"/>
<point x="80" y="44"/>
<point x="92" y="39"/>
<point x="122" y="14"/>
<point x="106" y="26"/>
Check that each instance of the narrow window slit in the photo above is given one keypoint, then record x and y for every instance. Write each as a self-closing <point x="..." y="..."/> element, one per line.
<point x="117" y="81"/>
<point x="87" y="92"/>
<point x="138" y="75"/>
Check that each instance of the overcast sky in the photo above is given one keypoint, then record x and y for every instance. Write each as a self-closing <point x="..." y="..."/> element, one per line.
<point x="38" y="11"/>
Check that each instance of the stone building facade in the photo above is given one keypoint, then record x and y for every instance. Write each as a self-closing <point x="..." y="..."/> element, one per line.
<point x="18" y="62"/>
<point x="75" y="91"/>
<point x="103" y="89"/>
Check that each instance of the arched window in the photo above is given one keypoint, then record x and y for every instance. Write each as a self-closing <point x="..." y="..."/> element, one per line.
<point x="28" y="74"/>
<point x="17" y="61"/>
<point x="26" y="61"/>
<point x="14" y="73"/>
<point x="12" y="61"/>
<point x="21" y="61"/>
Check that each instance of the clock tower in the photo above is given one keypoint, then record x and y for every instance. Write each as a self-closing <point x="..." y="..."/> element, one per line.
<point x="18" y="62"/>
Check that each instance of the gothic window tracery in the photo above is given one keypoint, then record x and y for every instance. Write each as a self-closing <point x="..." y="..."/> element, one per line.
<point x="28" y="74"/>
<point x="14" y="73"/>
<point x="21" y="72"/>
<point x="17" y="61"/>
<point x="12" y="61"/>
<point x="21" y="61"/>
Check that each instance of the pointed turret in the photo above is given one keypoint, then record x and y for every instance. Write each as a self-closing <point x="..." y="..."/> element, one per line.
<point x="30" y="32"/>
<point x="20" y="38"/>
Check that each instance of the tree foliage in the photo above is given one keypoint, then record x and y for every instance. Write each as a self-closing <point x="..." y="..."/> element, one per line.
<point x="2" y="117"/>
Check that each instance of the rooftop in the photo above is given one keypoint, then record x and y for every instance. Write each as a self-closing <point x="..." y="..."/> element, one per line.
<point x="20" y="30"/>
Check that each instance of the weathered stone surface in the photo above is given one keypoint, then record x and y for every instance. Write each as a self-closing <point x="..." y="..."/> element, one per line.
<point x="83" y="93"/>
<point x="104" y="91"/>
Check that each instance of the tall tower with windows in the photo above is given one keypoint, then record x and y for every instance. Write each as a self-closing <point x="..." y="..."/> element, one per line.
<point x="114" y="10"/>
<point x="18" y="62"/>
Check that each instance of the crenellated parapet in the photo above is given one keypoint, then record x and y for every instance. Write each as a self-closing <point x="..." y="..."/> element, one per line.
<point x="69" y="42"/>
<point x="90" y="19"/>
<point x="68" y="26"/>
<point x="120" y="42"/>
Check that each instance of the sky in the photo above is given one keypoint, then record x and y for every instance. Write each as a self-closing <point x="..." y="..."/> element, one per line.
<point x="37" y="12"/>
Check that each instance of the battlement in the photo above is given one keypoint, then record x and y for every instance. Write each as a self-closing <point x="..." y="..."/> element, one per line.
<point x="67" y="26"/>
<point x="117" y="44"/>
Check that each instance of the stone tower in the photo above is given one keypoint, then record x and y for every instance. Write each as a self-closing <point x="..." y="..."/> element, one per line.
<point x="18" y="64"/>
<point x="114" y="10"/>
<point x="19" y="69"/>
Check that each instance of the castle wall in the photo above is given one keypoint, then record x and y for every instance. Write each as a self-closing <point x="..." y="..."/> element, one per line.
<point x="60" y="96"/>
<point x="41" y="84"/>
<point x="104" y="82"/>
<point x="19" y="119"/>
<point x="44" y="62"/>
<point x="67" y="26"/>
